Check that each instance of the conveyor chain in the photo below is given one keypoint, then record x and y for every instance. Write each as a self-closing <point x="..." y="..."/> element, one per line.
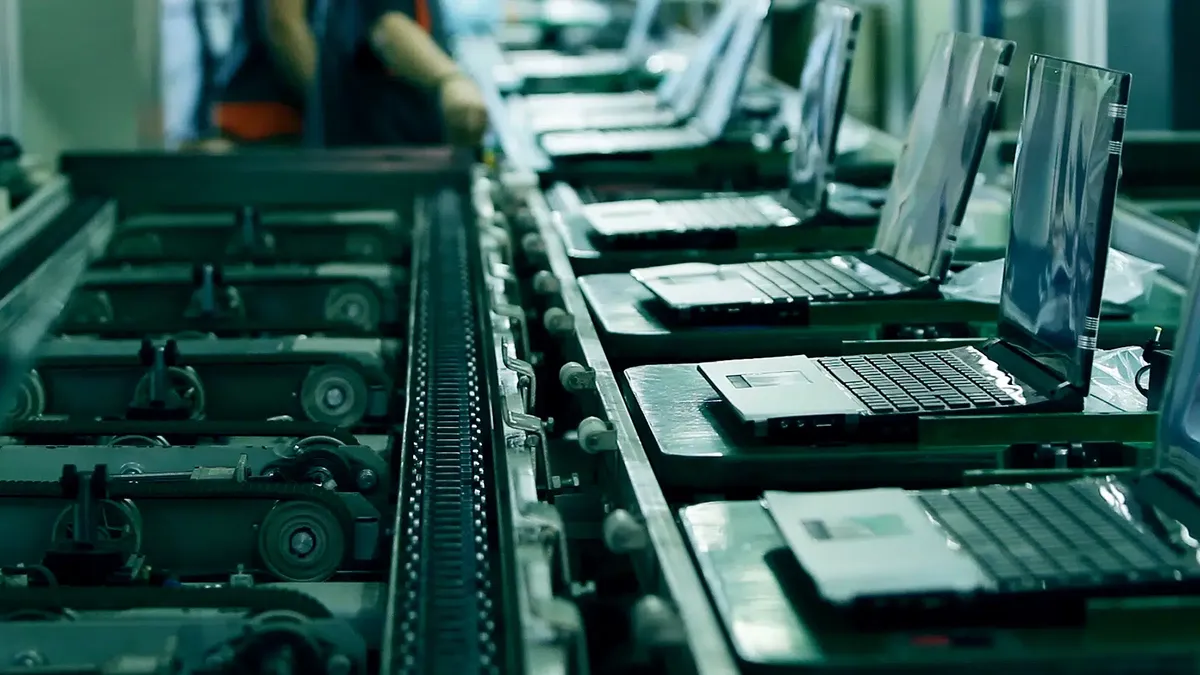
<point x="443" y="576"/>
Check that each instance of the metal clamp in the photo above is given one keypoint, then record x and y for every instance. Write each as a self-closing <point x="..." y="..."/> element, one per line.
<point x="523" y="369"/>
<point x="517" y="316"/>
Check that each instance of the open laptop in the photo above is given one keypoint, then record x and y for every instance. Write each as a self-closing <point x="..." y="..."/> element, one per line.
<point x="1062" y="203"/>
<point x="822" y="93"/>
<point x="918" y="226"/>
<point x="1086" y="537"/>
<point x="548" y="65"/>
<point x="674" y="101"/>
<point x="712" y="116"/>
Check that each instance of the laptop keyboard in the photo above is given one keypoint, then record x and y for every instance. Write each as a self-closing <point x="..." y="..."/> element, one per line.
<point x="716" y="213"/>
<point x="915" y="382"/>
<point x="811" y="279"/>
<point x="1052" y="535"/>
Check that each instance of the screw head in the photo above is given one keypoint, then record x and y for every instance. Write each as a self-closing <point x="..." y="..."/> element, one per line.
<point x="367" y="480"/>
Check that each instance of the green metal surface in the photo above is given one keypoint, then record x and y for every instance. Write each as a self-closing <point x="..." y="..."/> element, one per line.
<point x="698" y="445"/>
<point x="635" y="334"/>
<point x="774" y="623"/>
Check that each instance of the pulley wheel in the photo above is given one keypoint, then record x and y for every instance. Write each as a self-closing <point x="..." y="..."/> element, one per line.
<point x="301" y="542"/>
<point x="352" y="305"/>
<point x="30" y="401"/>
<point x="184" y="383"/>
<point x="120" y="525"/>
<point x="139" y="441"/>
<point x="334" y="394"/>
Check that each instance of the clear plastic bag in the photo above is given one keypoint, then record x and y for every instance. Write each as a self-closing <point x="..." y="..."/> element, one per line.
<point x="1127" y="281"/>
<point x="1114" y="372"/>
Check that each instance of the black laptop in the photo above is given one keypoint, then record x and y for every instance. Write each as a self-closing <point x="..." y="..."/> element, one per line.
<point x="1097" y="536"/>
<point x="918" y="227"/>
<point x="1068" y="161"/>
<point x="710" y="121"/>
<point x="822" y="91"/>
<point x="674" y="101"/>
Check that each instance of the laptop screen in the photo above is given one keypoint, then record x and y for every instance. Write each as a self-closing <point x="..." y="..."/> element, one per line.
<point x="1179" y="423"/>
<point x="683" y="88"/>
<point x="1067" y="163"/>
<point x="637" y="40"/>
<point x="935" y="172"/>
<point x="822" y="96"/>
<point x="726" y="87"/>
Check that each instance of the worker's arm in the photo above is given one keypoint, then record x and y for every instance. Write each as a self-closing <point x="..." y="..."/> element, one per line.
<point x="409" y="52"/>
<point x="291" y="41"/>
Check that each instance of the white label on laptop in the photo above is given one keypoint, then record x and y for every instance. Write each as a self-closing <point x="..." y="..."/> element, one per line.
<point x="637" y="215"/>
<point x="870" y="544"/>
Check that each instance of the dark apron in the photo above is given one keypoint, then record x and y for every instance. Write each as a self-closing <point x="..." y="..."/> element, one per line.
<point x="359" y="104"/>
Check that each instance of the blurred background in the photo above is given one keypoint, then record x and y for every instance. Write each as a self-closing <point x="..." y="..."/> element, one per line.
<point x="125" y="74"/>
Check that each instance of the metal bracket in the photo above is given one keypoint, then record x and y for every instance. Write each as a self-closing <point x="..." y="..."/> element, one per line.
<point x="516" y="315"/>
<point x="523" y="369"/>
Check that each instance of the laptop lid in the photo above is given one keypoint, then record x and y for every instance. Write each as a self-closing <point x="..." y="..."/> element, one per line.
<point x="824" y="82"/>
<point x="1067" y="166"/>
<point x="1179" y="420"/>
<point x="935" y="172"/>
<point x="637" y="40"/>
<point x="682" y="89"/>
<point x="723" y="93"/>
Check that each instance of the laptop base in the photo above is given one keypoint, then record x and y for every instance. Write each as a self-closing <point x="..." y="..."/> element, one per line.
<point x="735" y="545"/>
<point x="698" y="446"/>
<point x="857" y="217"/>
<point x="638" y="329"/>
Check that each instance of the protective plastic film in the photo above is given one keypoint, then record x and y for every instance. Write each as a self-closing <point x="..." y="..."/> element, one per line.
<point x="1068" y="160"/>
<point x="936" y="170"/>
<point x="823" y="84"/>
<point x="726" y="87"/>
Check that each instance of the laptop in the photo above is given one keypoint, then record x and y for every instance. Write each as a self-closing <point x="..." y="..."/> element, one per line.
<point x="822" y="96"/>
<point x="712" y="116"/>
<point x="916" y="237"/>
<point x="675" y="100"/>
<point x="1068" y="160"/>
<point x="1086" y="537"/>
<point x="543" y="65"/>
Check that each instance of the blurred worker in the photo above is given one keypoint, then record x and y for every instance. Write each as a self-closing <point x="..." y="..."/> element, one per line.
<point x="383" y="79"/>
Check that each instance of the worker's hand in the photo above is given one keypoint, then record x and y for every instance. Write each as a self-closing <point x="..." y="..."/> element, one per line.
<point x="464" y="111"/>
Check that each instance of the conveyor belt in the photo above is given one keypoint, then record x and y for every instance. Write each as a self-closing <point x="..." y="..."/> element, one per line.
<point x="447" y="596"/>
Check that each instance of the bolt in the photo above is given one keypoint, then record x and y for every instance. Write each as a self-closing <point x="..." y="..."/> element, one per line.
<point x="302" y="542"/>
<point x="335" y="397"/>
<point x="338" y="664"/>
<point x="367" y="480"/>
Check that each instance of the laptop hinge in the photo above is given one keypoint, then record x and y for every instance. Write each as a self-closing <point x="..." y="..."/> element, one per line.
<point x="1026" y="368"/>
<point x="895" y="269"/>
